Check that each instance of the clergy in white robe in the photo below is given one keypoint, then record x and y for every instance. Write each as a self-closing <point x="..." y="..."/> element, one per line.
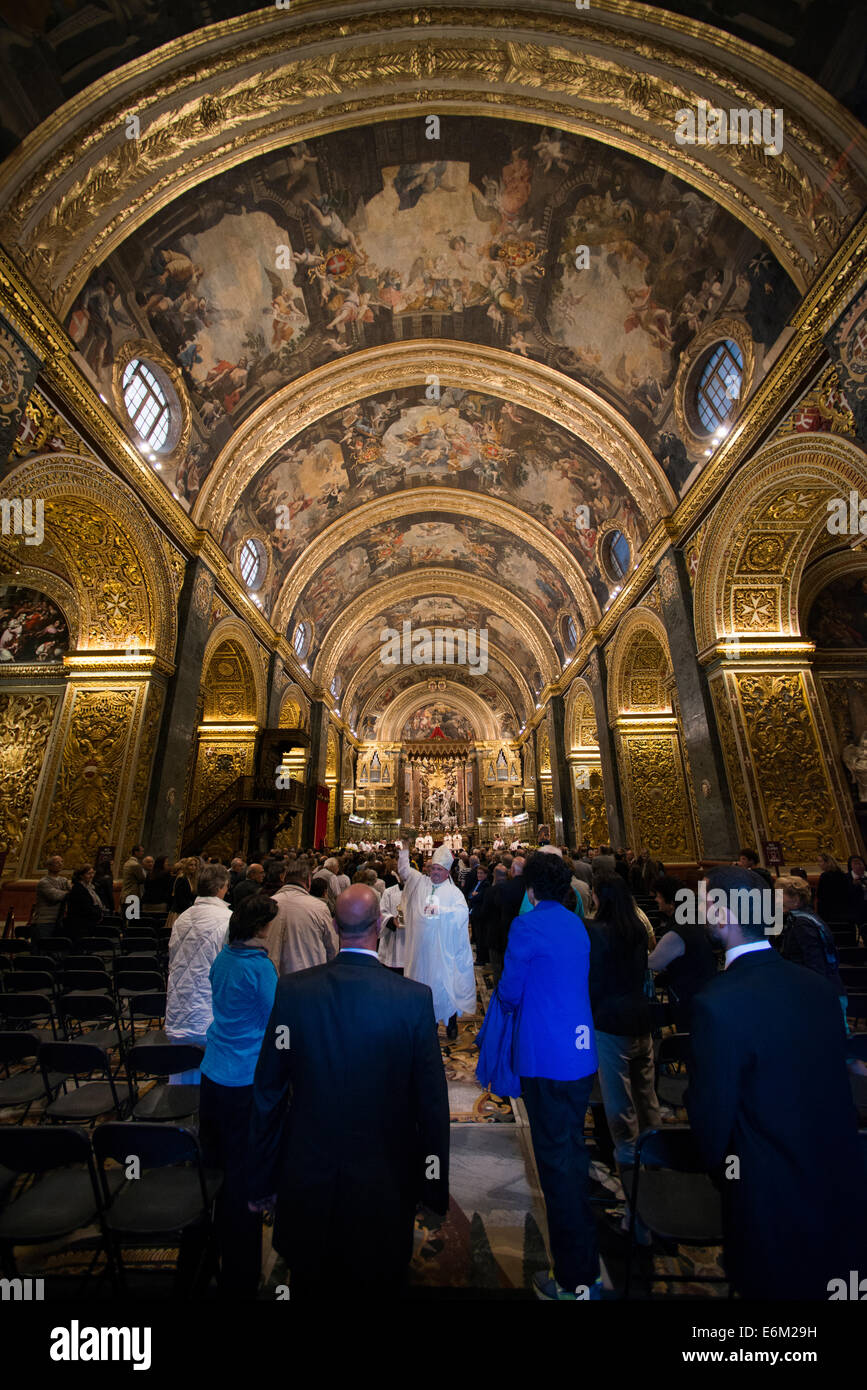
<point x="447" y="841"/>
<point x="428" y="843"/>
<point x="419" y="842"/>
<point x="392" y="935"/>
<point x="438" y="951"/>
<point x="457" y="840"/>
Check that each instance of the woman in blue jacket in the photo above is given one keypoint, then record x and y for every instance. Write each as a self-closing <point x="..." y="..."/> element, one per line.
<point x="545" y="980"/>
<point x="243" y="984"/>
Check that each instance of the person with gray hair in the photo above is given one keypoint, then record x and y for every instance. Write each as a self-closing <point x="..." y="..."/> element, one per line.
<point x="197" y="938"/>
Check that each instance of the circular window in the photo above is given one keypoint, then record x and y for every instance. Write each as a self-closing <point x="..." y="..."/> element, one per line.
<point x="718" y="390"/>
<point x="301" y="639"/>
<point x="615" y="555"/>
<point x="252" y="562"/>
<point x="569" y="632"/>
<point x="151" y="404"/>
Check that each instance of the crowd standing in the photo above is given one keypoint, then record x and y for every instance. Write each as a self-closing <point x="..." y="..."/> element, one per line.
<point x="293" y="946"/>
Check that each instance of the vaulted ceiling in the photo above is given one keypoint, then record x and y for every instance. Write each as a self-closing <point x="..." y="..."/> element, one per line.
<point x="429" y="354"/>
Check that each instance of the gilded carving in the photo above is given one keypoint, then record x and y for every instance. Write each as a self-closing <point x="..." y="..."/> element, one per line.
<point x="202" y="592"/>
<point x="764" y="554"/>
<point x="43" y="428"/>
<point x="84" y="801"/>
<point x="822" y="408"/>
<point x="656" y="795"/>
<point x="25" y="727"/>
<point x="754" y="608"/>
<point x="798" y="806"/>
<point x="591" y="815"/>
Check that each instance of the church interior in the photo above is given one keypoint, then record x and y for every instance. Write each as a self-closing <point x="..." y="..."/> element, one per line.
<point x="419" y="431"/>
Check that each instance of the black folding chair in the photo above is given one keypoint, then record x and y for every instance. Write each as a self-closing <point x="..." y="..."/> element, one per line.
<point x="138" y="939"/>
<point x="78" y="1010"/>
<point x="20" y="1088"/>
<point x="89" y="1101"/>
<point x="164" y="1103"/>
<point x="31" y="981"/>
<point x="63" y="1197"/>
<point x="673" y="1196"/>
<point x="149" y="1006"/>
<point x="35" y="1013"/>
<point x="672" y="1051"/>
<point x="57" y="946"/>
<point x="96" y="982"/>
<point x="171" y="1197"/>
<point x="78" y="960"/>
<point x="13" y="946"/>
<point x="139" y="960"/>
<point x="30" y="961"/>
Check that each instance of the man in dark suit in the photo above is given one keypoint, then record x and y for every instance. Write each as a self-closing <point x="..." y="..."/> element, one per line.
<point x="350" y="1126"/>
<point x="768" y="1086"/>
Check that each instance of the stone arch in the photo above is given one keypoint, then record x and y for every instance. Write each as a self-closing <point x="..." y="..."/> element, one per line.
<point x="767" y="525"/>
<point x="396" y="366"/>
<point x="639" y="667"/>
<point x="817" y="577"/>
<point x="111" y="552"/>
<point x="293" y="709"/>
<point x="237" y="693"/>
<point x="581" y="730"/>
<point x="405" y="704"/>
<point x="421" y="584"/>
<point x="233" y="91"/>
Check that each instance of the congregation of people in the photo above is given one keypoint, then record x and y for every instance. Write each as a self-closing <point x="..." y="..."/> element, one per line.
<point x="315" y="983"/>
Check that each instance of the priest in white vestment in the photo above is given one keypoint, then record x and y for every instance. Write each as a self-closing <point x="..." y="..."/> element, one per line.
<point x="438" y="951"/>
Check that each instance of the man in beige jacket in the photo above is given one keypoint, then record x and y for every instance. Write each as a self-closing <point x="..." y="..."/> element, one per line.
<point x="302" y="934"/>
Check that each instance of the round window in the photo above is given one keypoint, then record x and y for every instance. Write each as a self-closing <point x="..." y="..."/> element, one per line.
<point x="301" y="639"/>
<point x="151" y="404"/>
<point x="252" y="562"/>
<point x="569" y="632"/>
<point x="615" y="554"/>
<point x="718" y="389"/>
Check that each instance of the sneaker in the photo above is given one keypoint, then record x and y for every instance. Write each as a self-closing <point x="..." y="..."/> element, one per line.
<point x="545" y="1287"/>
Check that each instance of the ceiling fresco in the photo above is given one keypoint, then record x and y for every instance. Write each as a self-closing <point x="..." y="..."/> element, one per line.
<point x="497" y="688"/>
<point x="360" y="237"/>
<point x="439" y="610"/>
<point x="417" y="542"/>
<point x="478" y="443"/>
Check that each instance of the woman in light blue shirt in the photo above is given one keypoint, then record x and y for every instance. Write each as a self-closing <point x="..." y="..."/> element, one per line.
<point x="243" y="983"/>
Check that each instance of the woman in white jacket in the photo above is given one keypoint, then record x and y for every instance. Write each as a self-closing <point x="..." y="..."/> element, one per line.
<point x="197" y="938"/>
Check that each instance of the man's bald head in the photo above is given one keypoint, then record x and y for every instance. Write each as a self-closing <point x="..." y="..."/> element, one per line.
<point x="357" y="916"/>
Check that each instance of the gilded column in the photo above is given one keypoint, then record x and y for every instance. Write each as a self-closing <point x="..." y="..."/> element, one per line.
<point x="596" y="675"/>
<point x="769" y="716"/>
<point x="92" y="788"/>
<point x="702" y="751"/>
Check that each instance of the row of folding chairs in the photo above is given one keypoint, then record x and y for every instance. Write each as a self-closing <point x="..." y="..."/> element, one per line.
<point x="137" y="1183"/>
<point x="107" y="1009"/>
<point x="76" y="1084"/>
